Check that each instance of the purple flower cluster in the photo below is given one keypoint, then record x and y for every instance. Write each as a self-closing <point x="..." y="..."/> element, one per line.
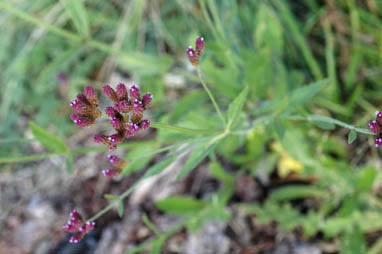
<point x="193" y="55"/>
<point x="86" y="106"/>
<point x="77" y="226"/>
<point x="125" y="116"/>
<point x="376" y="127"/>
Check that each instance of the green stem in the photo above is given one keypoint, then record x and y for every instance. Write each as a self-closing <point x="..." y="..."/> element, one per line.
<point x="184" y="130"/>
<point x="211" y="96"/>
<point x="27" y="158"/>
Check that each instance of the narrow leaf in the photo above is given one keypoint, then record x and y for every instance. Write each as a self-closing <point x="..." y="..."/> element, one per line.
<point x="296" y="191"/>
<point x="235" y="107"/>
<point x="324" y="125"/>
<point x="297" y="97"/>
<point x="77" y="12"/>
<point x="218" y="172"/>
<point x="180" y="205"/>
<point x="159" y="167"/>
<point x="47" y="139"/>
<point x="196" y="156"/>
<point x="352" y="136"/>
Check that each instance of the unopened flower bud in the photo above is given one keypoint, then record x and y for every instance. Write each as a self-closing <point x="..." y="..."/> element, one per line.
<point x="91" y="95"/>
<point x="378" y="142"/>
<point x="89" y="225"/>
<point x="111" y="112"/>
<point x="82" y="98"/>
<point x="76" y="215"/>
<point x="70" y="228"/>
<point x="379" y="117"/>
<point x="147" y="98"/>
<point x="192" y="56"/>
<point x="144" y="124"/>
<point x="111" y="148"/>
<point x="134" y="92"/>
<point x="121" y="92"/>
<point x="82" y="120"/>
<point x="110" y="93"/>
<point x="137" y="112"/>
<point x="123" y="106"/>
<point x="199" y="45"/>
<point x="374" y="127"/>
<point x="115" y="139"/>
<point x="116" y="161"/>
<point x="100" y="139"/>
<point x="76" y="237"/>
<point x="117" y="124"/>
<point x="112" y="172"/>
<point x="131" y="129"/>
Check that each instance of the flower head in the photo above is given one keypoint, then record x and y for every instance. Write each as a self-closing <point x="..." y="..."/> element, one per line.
<point x="78" y="226"/>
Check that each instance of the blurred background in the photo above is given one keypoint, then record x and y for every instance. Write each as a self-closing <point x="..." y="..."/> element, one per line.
<point x="288" y="186"/>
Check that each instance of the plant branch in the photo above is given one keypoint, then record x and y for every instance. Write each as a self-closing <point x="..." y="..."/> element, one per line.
<point x="184" y="130"/>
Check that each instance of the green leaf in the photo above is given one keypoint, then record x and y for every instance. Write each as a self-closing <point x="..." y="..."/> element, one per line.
<point x="150" y="225"/>
<point x="196" y="156"/>
<point x="120" y="209"/>
<point x="159" y="167"/>
<point x="353" y="242"/>
<point x="217" y="171"/>
<point x="110" y="196"/>
<point x="324" y="125"/>
<point x="268" y="31"/>
<point x="235" y="107"/>
<point x="180" y="205"/>
<point x="187" y="103"/>
<point x="77" y="12"/>
<point x="47" y="139"/>
<point x="296" y="191"/>
<point x="350" y="204"/>
<point x="367" y="179"/>
<point x="352" y="136"/>
<point x="279" y="129"/>
<point x="297" y="97"/>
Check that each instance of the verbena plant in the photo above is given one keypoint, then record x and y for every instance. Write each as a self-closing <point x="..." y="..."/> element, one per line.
<point x="256" y="100"/>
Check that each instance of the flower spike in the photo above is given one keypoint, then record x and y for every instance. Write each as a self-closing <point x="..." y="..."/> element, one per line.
<point x="199" y="45"/>
<point x="110" y="93"/>
<point x="91" y="95"/>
